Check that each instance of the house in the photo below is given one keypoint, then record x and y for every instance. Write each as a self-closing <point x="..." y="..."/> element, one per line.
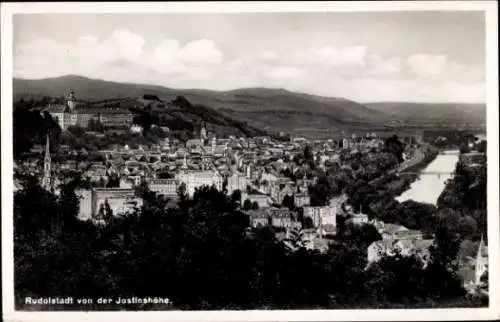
<point x="261" y="199"/>
<point x="281" y="217"/>
<point x="258" y="218"/>
<point x="136" y="128"/>
<point x="405" y="247"/>
<point x="359" y="219"/>
<point x="120" y="200"/>
<point x="235" y="182"/>
<point x="196" y="179"/>
<point x="327" y="230"/>
<point x="165" y="187"/>
<point x="308" y="235"/>
<point x="390" y="231"/>
<point x="321" y="215"/>
<point x="408" y="234"/>
<point x="287" y="190"/>
<point x="302" y="199"/>
<point x="318" y="244"/>
<point x="193" y="143"/>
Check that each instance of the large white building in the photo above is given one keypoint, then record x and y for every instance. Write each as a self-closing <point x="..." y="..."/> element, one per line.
<point x="165" y="187"/>
<point x="72" y="113"/>
<point x="237" y="182"/>
<point x="120" y="200"/>
<point x="197" y="179"/>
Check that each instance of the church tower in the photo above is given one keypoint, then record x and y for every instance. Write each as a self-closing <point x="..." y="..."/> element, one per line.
<point x="71" y="100"/>
<point x="203" y="133"/>
<point x="46" y="180"/>
<point x="184" y="163"/>
<point x="214" y="144"/>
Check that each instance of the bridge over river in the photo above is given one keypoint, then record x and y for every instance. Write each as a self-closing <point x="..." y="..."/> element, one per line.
<point x="432" y="179"/>
<point x="439" y="174"/>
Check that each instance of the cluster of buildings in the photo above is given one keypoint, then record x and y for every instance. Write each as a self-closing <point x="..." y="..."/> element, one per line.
<point x="266" y="172"/>
<point x="263" y="171"/>
<point x="397" y="239"/>
<point x="74" y="113"/>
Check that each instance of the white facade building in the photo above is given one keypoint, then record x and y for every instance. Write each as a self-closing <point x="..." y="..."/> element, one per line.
<point x="165" y="187"/>
<point x="237" y="182"/>
<point x="197" y="179"/>
<point x="322" y="215"/>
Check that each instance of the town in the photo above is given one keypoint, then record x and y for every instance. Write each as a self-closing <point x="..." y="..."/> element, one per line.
<point x="290" y="183"/>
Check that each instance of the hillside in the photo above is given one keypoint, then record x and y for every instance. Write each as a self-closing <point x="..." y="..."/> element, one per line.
<point x="268" y="109"/>
<point x="446" y="113"/>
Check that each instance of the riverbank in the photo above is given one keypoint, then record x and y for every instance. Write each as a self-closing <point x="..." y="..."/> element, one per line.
<point x="427" y="188"/>
<point x="378" y="198"/>
<point x="395" y="184"/>
<point x="408" y="179"/>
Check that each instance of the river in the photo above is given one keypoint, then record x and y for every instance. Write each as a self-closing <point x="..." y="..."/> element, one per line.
<point x="428" y="187"/>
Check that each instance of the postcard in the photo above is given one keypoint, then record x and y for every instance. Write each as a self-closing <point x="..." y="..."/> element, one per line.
<point x="250" y="161"/>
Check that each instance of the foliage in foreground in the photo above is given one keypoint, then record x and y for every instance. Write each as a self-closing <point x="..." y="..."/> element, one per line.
<point x="202" y="255"/>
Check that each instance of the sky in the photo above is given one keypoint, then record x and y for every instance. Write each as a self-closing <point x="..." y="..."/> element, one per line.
<point x="362" y="56"/>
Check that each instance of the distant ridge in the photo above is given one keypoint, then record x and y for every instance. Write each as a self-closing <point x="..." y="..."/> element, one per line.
<point x="265" y="108"/>
<point x="434" y="112"/>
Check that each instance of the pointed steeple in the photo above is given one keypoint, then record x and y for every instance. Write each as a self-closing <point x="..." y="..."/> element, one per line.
<point x="46" y="180"/>
<point x="184" y="164"/>
<point x="481" y="261"/>
<point x="203" y="132"/>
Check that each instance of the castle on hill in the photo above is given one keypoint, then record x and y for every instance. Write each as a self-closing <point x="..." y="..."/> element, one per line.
<point x="75" y="113"/>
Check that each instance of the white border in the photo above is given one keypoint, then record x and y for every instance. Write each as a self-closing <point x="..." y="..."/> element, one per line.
<point x="490" y="7"/>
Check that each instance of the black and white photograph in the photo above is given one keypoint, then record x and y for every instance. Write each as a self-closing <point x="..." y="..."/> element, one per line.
<point x="252" y="160"/>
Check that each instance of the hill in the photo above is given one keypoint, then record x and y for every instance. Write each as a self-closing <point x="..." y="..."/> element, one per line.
<point x="173" y="111"/>
<point x="445" y="113"/>
<point x="267" y="109"/>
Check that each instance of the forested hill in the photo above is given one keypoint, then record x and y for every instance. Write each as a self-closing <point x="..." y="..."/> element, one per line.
<point x="447" y="113"/>
<point x="269" y="109"/>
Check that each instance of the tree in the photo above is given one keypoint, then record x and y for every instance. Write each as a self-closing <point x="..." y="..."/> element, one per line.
<point x="247" y="205"/>
<point x="464" y="148"/>
<point x="289" y="202"/>
<point x="108" y="212"/>
<point x="394" y="146"/>
<point x="468" y="227"/>
<point x="481" y="146"/>
<point x="113" y="181"/>
<point x="363" y="235"/>
<point x="165" y="174"/>
<point x="242" y="267"/>
<point x="320" y="192"/>
<point x="145" y="119"/>
<point x="76" y="130"/>
<point x="95" y="125"/>
<point x="308" y="155"/>
<point x="447" y="238"/>
<point x="181" y="191"/>
<point x="236" y="196"/>
<point x="307" y="222"/>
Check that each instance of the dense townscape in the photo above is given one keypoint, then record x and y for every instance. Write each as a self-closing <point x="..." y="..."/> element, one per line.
<point x="128" y="202"/>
